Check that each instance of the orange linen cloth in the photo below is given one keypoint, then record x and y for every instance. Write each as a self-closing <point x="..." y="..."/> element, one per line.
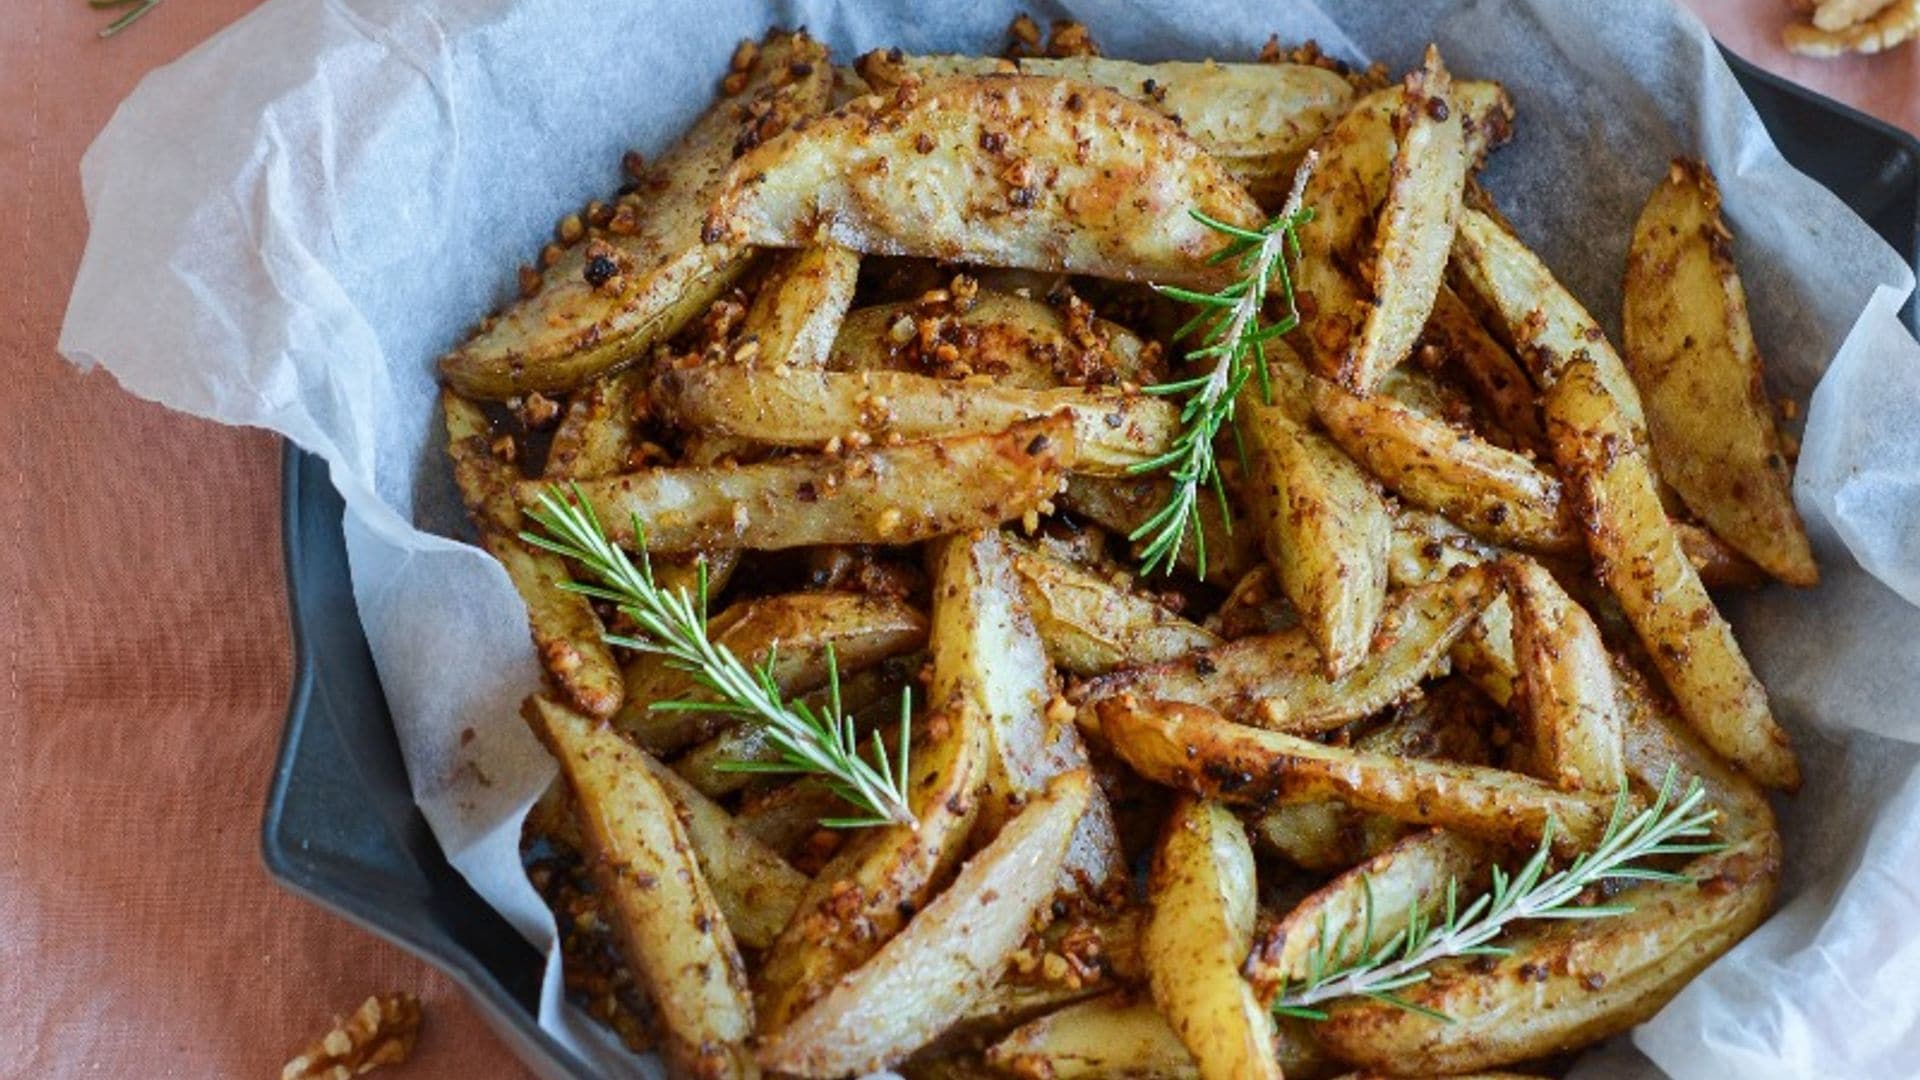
<point x="146" y="657"/>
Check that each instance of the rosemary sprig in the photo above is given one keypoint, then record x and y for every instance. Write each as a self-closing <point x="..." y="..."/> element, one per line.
<point x="126" y="19"/>
<point x="823" y="744"/>
<point x="1380" y="972"/>
<point x="1232" y="336"/>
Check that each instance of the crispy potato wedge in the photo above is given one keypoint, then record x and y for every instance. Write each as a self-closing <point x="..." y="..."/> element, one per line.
<point x="567" y="634"/>
<point x="987" y="653"/>
<point x="1107" y="1037"/>
<point x="1690" y="349"/>
<point x="796" y="629"/>
<point x="1016" y="171"/>
<point x="1547" y="326"/>
<point x="870" y="696"/>
<point x="1498" y="495"/>
<point x="595" y="437"/>
<point x="1355" y="173"/>
<point x="1414" y="230"/>
<point x="949" y="955"/>
<point x="887" y="872"/>
<point x="784" y="406"/>
<point x="1569" y="701"/>
<point x="1324" y="527"/>
<point x="1196" y="749"/>
<point x="662" y="273"/>
<point x="1498" y="383"/>
<point x="1257" y="119"/>
<point x="1201" y="893"/>
<point x="1277" y="680"/>
<point x="1426" y="548"/>
<point x="891" y="495"/>
<point x="797" y="312"/>
<point x="1021" y="343"/>
<point x="1567" y="984"/>
<point x="1720" y="566"/>
<point x="654" y="893"/>
<point x="752" y="884"/>
<point x="1642" y="563"/>
<point x="1658" y="742"/>
<point x="1090" y="625"/>
<point x="1357" y="911"/>
<point x="1123" y="504"/>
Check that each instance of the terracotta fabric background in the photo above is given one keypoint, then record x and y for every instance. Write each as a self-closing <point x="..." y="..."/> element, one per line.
<point x="146" y="651"/>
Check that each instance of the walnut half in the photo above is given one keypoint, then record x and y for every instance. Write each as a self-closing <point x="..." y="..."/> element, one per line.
<point x="381" y="1031"/>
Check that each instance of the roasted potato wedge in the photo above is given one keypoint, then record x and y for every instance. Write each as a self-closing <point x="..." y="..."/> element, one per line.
<point x="654" y="892"/>
<point x="1201" y="895"/>
<point x="755" y="888"/>
<point x="891" y="495"/>
<point x="785" y="406"/>
<point x="1106" y="189"/>
<point x="1102" y="1039"/>
<point x="610" y="297"/>
<point x="987" y="653"/>
<point x="787" y="817"/>
<point x="1461" y="345"/>
<point x="1690" y="349"/>
<point x="796" y="630"/>
<point x="1196" y="749"/>
<point x="1642" y="563"/>
<point x="1090" y="625"/>
<point x="949" y="955"/>
<point x="797" y="312"/>
<point x="1123" y="504"/>
<point x="1021" y="343"/>
<point x="567" y="634"/>
<point x="1278" y="681"/>
<point x="889" y="872"/>
<point x="1498" y="495"/>
<point x="1324" y="527"/>
<point x="595" y="436"/>
<point x="1357" y="911"/>
<point x="1569" y="702"/>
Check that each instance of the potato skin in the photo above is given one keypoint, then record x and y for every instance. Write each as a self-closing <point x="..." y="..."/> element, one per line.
<point x="1690" y="349"/>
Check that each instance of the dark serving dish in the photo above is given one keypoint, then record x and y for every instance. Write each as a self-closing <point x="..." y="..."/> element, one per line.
<point x="340" y="827"/>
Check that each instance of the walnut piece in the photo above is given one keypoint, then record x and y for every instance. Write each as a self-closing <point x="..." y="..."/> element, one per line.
<point x="381" y="1031"/>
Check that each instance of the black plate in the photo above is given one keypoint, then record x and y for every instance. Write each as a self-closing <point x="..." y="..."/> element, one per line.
<point x="340" y="826"/>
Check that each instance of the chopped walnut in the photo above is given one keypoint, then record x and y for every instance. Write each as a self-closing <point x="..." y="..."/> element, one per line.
<point x="1071" y="39"/>
<point x="538" y="411"/>
<point x="381" y="1031"/>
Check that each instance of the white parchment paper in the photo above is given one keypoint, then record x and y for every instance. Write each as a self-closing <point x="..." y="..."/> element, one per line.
<point x="292" y="221"/>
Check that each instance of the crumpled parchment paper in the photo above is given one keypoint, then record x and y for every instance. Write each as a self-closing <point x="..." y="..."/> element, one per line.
<point x="292" y="221"/>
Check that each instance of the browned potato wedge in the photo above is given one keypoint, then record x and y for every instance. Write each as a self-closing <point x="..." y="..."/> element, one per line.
<point x="887" y="872"/>
<point x="987" y="653"/>
<point x="595" y="437"/>
<point x="787" y="406"/>
<point x="1106" y="187"/>
<point x="1201" y="893"/>
<point x="1090" y="625"/>
<point x="754" y="887"/>
<point x="654" y="893"/>
<point x="567" y="634"/>
<point x="1356" y="912"/>
<point x="1354" y="174"/>
<point x="1659" y="742"/>
<point x="1277" y="679"/>
<point x="1641" y="562"/>
<point x="609" y="298"/>
<point x="1569" y="701"/>
<point x="948" y="956"/>
<point x="1498" y="495"/>
<point x="892" y="495"/>
<point x="1196" y="749"/>
<point x="1567" y="984"/>
<point x="1547" y="325"/>
<point x="1107" y="1037"/>
<point x="1692" y="355"/>
<point x="1426" y="547"/>
<point x="1257" y="119"/>
<point x="1325" y="529"/>
<point x="1720" y="566"/>
<point x="1123" y="504"/>
<point x="1497" y="380"/>
<point x="1414" y="230"/>
<point x="1022" y="343"/>
<point x="796" y="629"/>
<point x="805" y="295"/>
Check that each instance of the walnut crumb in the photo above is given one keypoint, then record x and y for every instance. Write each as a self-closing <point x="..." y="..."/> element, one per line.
<point x="382" y="1031"/>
